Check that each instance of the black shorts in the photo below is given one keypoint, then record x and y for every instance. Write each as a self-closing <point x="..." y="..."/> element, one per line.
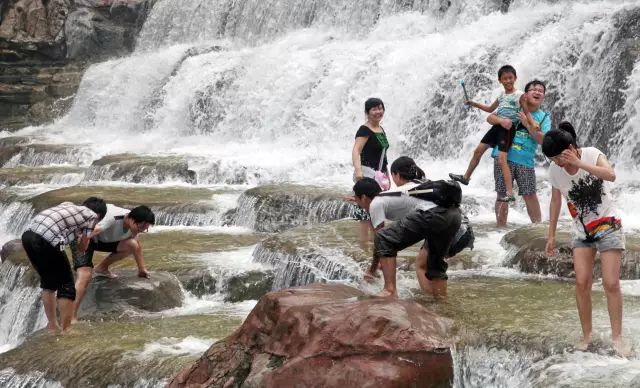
<point x="437" y="226"/>
<point x="85" y="259"/>
<point x="498" y="136"/>
<point x="51" y="264"/>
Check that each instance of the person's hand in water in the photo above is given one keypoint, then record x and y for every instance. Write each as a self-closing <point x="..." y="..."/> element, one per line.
<point x="549" y="247"/>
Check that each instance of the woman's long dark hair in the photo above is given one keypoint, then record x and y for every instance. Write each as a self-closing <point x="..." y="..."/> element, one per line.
<point x="407" y="169"/>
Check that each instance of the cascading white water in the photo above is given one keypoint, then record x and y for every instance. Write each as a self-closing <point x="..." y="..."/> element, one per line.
<point x="272" y="91"/>
<point x="21" y="311"/>
<point x="287" y="110"/>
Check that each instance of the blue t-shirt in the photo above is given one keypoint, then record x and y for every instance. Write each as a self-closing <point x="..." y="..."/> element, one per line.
<point x="524" y="147"/>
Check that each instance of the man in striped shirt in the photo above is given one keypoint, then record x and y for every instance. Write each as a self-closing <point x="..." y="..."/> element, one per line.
<point x="44" y="241"/>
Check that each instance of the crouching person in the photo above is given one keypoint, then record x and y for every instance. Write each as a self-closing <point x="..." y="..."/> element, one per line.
<point x="117" y="234"/>
<point x="416" y="219"/>
<point x="45" y="240"/>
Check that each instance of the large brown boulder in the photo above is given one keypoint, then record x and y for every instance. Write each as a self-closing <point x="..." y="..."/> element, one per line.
<point x="327" y="336"/>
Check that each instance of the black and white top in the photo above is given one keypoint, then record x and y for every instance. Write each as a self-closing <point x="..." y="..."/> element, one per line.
<point x="60" y="224"/>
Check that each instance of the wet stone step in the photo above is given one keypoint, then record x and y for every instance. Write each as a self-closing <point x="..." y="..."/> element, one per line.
<point x="178" y="253"/>
<point x="141" y="169"/>
<point x="37" y="175"/>
<point x="14" y="153"/>
<point x="331" y="251"/>
<point x="172" y="205"/>
<point x="125" y="352"/>
<point x="273" y="208"/>
<point x="527" y="246"/>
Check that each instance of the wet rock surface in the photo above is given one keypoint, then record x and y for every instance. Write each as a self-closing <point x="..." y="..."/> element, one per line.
<point x="128" y="293"/>
<point x="122" y="352"/>
<point x="141" y="169"/>
<point x="181" y="205"/>
<point x="32" y="175"/>
<point x="528" y="245"/>
<point x="248" y="286"/>
<point x="273" y="208"/>
<point x="305" y="336"/>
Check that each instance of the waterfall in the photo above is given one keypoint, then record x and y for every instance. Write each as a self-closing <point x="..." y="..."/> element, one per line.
<point x="256" y="21"/>
<point x="21" y="311"/>
<point x="298" y="269"/>
<point x="216" y="101"/>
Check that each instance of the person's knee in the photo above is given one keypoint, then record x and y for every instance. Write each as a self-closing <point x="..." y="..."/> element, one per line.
<point x="478" y="152"/>
<point x="84" y="274"/>
<point x="584" y="283"/>
<point x="611" y="286"/>
<point x="129" y="246"/>
<point x="382" y="247"/>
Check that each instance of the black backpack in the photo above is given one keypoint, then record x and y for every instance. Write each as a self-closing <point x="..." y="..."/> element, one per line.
<point x="442" y="193"/>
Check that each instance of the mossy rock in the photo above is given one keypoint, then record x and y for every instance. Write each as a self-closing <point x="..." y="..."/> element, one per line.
<point x="109" y="298"/>
<point x="29" y="175"/>
<point x="165" y="198"/>
<point x="528" y="247"/>
<point x="273" y="208"/>
<point x="250" y="285"/>
<point x="105" y="353"/>
<point x="141" y="169"/>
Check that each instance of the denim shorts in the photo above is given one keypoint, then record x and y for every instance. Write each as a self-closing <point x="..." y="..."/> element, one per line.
<point x="614" y="240"/>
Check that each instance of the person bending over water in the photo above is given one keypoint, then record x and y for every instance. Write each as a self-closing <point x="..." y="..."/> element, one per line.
<point x="417" y="219"/>
<point x="44" y="241"/>
<point x="583" y="176"/>
<point x="117" y="234"/>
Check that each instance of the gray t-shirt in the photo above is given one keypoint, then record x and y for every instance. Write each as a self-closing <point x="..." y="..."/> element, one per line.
<point x="113" y="225"/>
<point x="394" y="208"/>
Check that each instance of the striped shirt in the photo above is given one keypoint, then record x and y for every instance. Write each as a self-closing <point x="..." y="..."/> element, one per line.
<point x="60" y="224"/>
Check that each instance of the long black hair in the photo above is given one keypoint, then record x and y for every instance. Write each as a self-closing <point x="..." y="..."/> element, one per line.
<point x="407" y="169"/>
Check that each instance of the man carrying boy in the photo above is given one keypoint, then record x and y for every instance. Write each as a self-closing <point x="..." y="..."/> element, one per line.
<point x="44" y="241"/>
<point x="521" y="157"/>
<point x="508" y="104"/>
<point x="116" y="234"/>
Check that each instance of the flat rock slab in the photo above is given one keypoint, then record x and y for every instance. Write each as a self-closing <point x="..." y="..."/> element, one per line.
<point x="528" y="253"/>
<point x="328" y="336"/>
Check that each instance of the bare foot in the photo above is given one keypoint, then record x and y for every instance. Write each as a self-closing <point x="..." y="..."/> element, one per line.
<point x="66" y="331"/>
<point x="582" y="345"/>
<point x="370" y="276"/>
<point x="622" y="347"/>
<point x="53" y="329"/>
<point x="106" y="274"/>
<point x="74" y="320"/>
<point x="387" y="294"/>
